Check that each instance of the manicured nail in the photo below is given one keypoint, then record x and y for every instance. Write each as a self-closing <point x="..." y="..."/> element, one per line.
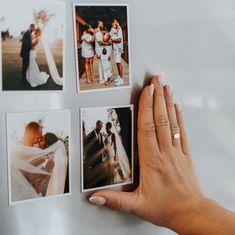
<point x="169" y="90"/>
<point x="98" y="201"/>
<point x="151" y="90"/>
<point x="178" y="106"/>
<point x="159" y="80"/>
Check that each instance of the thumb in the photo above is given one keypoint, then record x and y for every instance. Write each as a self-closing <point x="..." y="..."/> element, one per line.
<point x="115" y="200"/>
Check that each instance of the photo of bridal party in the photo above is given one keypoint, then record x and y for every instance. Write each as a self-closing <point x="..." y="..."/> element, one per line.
<point x="102" y="46"/>
<point x="107" y="142"/>
<point x="32" y="41"/>
<point x="38" y="154"/>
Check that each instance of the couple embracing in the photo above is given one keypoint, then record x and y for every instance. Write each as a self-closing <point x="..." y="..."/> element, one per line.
<point x="30" y="70"/>
<point x="38" y="164"/>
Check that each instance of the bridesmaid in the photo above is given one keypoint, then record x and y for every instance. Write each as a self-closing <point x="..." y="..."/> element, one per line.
<point x="88" y="52"/>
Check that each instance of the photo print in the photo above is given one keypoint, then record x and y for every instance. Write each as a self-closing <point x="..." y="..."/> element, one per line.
<point x="107" y="147"/>
<point x="32" y="41"/>
<point x="102" y="46"/>
<point x="38" y="155"/>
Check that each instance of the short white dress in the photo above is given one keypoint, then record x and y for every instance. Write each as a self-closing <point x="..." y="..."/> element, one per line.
<point x="87" y="48"/>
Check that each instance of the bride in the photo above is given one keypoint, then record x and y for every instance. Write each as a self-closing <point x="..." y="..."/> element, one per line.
<point x="118" y="168"/>
<point x="28" y="160"/>
<point x="34" y="76"/>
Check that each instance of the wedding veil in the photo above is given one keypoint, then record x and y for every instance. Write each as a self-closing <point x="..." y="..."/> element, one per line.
<point x="20" y="158"/>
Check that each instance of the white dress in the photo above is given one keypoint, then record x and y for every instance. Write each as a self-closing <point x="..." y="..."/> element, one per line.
<point x="87" y="48"/>
<point x="34" y="76"/>
<point x="106" y="66"/>
<point x="110" y="148"/>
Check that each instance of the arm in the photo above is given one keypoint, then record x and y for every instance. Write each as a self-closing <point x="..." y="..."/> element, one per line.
<point x="169" y="194"/>
<point x="117" y="40"/>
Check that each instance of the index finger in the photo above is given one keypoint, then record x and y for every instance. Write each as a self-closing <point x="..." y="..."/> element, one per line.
<point x="147" y="139"/>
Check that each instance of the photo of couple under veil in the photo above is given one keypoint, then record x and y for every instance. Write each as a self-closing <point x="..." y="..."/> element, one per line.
<point x="106" y="146"/>
<point x="32" y="46"/>
<point x="38" y="154"/>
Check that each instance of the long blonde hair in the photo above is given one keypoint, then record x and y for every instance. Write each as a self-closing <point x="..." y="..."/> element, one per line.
<point x="31" y="130"/>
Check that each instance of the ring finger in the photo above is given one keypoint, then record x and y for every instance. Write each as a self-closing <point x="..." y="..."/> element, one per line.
<point x="172" y="117"/>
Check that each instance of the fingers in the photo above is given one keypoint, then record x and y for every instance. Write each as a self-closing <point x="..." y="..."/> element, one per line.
<point x="115" y="200"/>
<point x="183" y="136"/>
<point x="172" y="116"/>
<point x="147" y="139"/>
<point x="160" y="115"/>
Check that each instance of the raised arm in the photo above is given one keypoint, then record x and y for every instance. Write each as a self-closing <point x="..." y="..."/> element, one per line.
<point x="169" y="194"/>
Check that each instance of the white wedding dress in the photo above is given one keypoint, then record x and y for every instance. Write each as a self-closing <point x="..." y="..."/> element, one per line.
<point x="20" y="158"/>
<point x="122" y="158"/>
<point x="34" y="76"/>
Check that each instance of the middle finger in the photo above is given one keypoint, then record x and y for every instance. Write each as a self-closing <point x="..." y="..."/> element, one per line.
<point x="160" y="115"/>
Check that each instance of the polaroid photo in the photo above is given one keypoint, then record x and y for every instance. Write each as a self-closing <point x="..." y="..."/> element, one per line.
<point x="32" y="41"/>
<point x="38" y="155"/>
<point x="102" y="46"/>
<point x="106" y="147"/>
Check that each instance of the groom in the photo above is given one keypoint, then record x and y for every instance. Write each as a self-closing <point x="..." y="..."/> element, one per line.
<point x="25" y="50"/>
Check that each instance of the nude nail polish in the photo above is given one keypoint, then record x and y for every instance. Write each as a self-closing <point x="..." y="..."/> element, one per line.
<point x="151" y="90"/>
<point x="178" y="106"/>
<point x="98" y="201"/>
<point x="169" y="90"/>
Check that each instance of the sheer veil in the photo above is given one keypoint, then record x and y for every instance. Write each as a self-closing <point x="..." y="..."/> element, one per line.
<point x="20" y="158"/>
<point x="122" y="156"/>
<point x="51" y="62"/>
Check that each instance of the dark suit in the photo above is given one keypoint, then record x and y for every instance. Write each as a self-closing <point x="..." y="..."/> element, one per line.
<point x="93" y="160"/>
<point x="95" y="146"/>
<point x="24" y="53"/>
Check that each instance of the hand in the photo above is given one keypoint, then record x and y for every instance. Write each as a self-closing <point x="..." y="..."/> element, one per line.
<point x="168" y="188"/>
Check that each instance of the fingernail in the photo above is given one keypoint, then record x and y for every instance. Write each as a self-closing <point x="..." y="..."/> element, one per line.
<point x="159" y="80"/>
<point x="151" y="90"/>
<point x="169" y="90"/>
<point x="178" y="106"/>
<point x="98" y="201"/>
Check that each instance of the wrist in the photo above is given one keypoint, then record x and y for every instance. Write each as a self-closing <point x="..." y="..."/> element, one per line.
<point x="190" y="211"/>
<point x="200" y="215"/>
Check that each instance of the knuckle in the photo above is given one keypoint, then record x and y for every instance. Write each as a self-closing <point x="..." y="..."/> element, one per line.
<point x="174" y="128"/>
<point x="147" y="127"/>
<point x="169" y="103"/>
<point x="162" y="121"/>
<point x="117" y="205"/>
<point x="180" y="122"/>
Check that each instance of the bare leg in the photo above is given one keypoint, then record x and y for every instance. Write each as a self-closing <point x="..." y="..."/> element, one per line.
<point x="120" y="70"/>
<point x="87" y="70"/>
<point x="91" y="68"/>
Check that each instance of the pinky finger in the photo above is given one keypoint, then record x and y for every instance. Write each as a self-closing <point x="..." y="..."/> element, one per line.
<point x="183" y="137"/>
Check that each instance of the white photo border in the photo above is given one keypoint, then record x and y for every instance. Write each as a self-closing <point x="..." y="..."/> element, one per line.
<point x="76" y="48"/>
<point x="131" y="106"/>
<point x="9" y="162"/>
<point x="64" y="59"/>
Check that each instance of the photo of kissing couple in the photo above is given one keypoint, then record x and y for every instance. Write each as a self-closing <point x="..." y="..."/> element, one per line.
<point x="107" y="147"/>
<point x="102" y="46"/>
<point x="32" y="46"/>
<point x="38" y="155"/>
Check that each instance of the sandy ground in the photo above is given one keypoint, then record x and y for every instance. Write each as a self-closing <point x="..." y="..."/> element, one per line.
<point x="12" y="64"/>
